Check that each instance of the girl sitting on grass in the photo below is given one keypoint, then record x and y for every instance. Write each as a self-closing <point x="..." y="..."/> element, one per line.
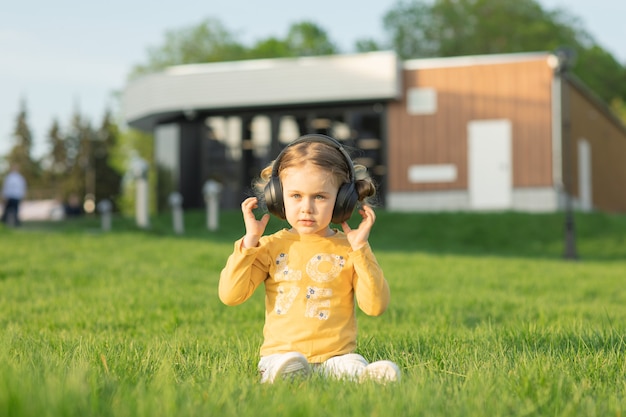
<point x="312" y="273"/>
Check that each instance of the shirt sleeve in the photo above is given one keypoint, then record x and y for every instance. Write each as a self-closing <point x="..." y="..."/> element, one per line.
<point x="370" y="286"/>
<point x="243" y="273"/>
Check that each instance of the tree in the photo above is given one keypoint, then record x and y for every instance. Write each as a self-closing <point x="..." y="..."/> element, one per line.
<point x="54" y="164"/>
<point x="79" y="178"/>
<point x="135" y="143"/>
<point x="270" y="48"/>
<point x="367" y="45"/>
<point x="502" y="26"/>
<point x="303" y="39"/>
<point x="20" y="153"/>
<point x="408" y="25"/>
<point x="602" y="73"/>
<point x="308" y="39"/>
<point x="469" y="27"/>
<point x="83" y="162"/>
<point x="619" y="108"/>
<point x="208" y="41"/>
<point x="107" y="178"/>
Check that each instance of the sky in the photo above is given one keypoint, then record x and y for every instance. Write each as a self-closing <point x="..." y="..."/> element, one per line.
<point x="75" y="55"/>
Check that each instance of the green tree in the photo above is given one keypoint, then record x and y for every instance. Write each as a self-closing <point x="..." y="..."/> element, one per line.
<point x="602" y="73"/>
<point x="133" y="143"/>
<point x="270" y="48"/>
<point x="79" y="178"/>
<point x="107" y="178"/>
<point x="409" y="29"/>
<point x="303" y="39"/>
<point x="467" y="27"/>
<point x="308" y="39"/>
<point x="54" y="163"/>
<point x="57" y="157"/>
<point x="368" y="45"/>
<point x="83" y="161"/>
<point x="619" y="108"/>
<point x="21" y="152"/>
<point x="208" y="41"/>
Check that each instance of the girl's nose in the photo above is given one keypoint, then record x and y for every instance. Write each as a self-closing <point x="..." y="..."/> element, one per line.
<point x="307" y="205"/>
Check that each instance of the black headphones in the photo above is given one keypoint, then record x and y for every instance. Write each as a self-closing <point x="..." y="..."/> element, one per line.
<point x="347" y="195"/>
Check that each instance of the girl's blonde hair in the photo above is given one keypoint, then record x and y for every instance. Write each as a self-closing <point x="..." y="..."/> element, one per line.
<point x="325" y="157"/>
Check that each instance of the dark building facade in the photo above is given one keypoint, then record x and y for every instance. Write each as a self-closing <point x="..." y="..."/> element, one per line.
<point x="232" y="147"/>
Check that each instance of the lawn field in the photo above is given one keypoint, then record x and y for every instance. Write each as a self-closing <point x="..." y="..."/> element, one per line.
<point x="486" y="319"/>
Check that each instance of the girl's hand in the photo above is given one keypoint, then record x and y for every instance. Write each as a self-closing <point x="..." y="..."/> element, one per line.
<point x="358" y="237"/>
<point x="254" y="227"/>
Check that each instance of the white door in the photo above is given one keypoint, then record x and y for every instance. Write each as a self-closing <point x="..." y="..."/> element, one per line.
<point x="489" y="164"/>
<point x="585" y="191"/>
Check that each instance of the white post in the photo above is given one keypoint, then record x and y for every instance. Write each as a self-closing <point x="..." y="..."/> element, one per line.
<point x="104" y="207"/>
<point x="176" y="202"/>
<point x="211" y="191"/>
<point x="140" y="173"/>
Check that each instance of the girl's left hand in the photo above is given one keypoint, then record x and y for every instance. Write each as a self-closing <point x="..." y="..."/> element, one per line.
<point x="358" y="237"/>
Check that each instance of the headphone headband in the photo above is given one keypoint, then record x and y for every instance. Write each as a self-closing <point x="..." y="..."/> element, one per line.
<point x="316" y="137"/>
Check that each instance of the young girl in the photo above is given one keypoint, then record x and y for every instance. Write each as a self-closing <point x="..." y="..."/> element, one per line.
<point x="312" y="273"/>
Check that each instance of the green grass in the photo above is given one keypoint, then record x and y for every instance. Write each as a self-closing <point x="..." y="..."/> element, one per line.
<point x="486" y="319"/>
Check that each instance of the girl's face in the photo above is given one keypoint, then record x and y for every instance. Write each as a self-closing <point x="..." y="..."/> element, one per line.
<point x="309" y="194"/>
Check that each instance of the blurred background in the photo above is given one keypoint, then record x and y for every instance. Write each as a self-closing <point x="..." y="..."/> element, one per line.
<point x="65" y="68"/>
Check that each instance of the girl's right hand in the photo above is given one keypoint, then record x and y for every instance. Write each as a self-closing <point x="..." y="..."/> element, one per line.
<point x="254" y="227"/>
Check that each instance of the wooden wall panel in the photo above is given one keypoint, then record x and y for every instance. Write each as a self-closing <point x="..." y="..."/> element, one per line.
<point x="607" y="138"/>
<point x="519" y="91"/>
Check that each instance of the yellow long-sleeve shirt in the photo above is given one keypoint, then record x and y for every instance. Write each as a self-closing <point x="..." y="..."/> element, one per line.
<point x="310" y="286"/>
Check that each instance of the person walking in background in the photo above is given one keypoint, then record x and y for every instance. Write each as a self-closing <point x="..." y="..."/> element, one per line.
<point x="13" y="192"/>
<point x="312" y="273"/>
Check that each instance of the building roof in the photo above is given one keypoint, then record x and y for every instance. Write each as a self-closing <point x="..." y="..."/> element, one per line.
<point x="180" y="90"/>
<point x="474" y="60"/>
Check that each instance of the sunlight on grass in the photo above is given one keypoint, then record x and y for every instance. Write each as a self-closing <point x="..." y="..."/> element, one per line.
<point x="485" y="319"/>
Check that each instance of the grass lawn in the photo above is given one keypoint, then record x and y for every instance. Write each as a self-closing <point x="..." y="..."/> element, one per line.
<point x="486" y="319"/>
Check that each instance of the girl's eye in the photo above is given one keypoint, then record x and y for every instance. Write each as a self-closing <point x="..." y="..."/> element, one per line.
<point x="320" y="197"/>
<point x="295" y="195"/>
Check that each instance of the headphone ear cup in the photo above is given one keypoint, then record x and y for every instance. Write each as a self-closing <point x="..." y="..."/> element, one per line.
<point x="274" y="197"/>
<point x="347" y="198"/>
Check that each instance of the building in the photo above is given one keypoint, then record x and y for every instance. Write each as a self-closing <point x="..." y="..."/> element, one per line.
<point x="492" y="132"/>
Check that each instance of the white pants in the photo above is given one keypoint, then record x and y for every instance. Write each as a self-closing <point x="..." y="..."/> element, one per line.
<point x="348" y="366"/>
